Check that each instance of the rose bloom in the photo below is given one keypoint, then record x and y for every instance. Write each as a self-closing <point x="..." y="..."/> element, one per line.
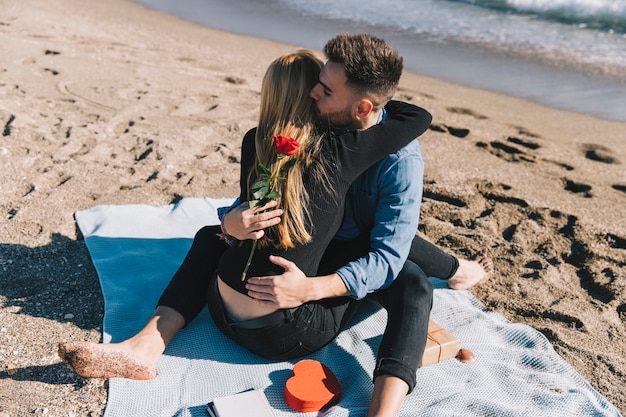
<point x="285" y="145"/>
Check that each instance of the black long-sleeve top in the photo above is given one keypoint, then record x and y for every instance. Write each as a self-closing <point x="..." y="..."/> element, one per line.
<point x="350" y="154"/>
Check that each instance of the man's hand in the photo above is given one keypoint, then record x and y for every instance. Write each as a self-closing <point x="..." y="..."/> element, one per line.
<point x="244" y="222"/>
<point x="291" y="289"/>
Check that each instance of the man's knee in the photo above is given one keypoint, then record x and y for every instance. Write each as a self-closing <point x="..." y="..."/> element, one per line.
<point x="413" y="280"/>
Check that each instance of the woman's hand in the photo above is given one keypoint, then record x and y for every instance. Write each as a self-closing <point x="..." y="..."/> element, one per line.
<point x="244" y="222"/>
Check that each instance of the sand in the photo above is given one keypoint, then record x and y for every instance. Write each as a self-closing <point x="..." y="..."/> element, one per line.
<point x="108" y="103"/>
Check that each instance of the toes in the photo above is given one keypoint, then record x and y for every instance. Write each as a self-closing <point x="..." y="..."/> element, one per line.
<point x="91" y="360"/>
<point x="486" y="263"/>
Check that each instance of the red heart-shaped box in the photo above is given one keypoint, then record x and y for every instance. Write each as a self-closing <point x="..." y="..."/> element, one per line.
<point x="312" y="387"/>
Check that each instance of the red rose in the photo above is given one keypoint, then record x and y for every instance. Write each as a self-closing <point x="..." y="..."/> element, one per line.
<point x="285" y="145"/>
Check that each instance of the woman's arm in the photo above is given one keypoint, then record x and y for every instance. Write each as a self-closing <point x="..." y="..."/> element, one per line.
<point x="248" y="155"/>
<point x="358" y="150"/>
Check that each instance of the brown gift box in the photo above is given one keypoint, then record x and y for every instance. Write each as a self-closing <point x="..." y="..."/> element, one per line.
<point x="440" y="345"/>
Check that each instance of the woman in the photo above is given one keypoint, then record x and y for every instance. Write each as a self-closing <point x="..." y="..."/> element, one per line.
<point x="312" y="196"/>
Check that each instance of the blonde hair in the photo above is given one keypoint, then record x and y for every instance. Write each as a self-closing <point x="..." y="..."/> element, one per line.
<point x="287" y="109"/>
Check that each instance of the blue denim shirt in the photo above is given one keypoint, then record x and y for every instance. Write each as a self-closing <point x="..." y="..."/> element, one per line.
<point x="385" y="200"/>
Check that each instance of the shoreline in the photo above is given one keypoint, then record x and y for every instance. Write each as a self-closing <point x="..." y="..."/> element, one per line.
<point x="539" y="77"/>
<point x="102" y="106"/>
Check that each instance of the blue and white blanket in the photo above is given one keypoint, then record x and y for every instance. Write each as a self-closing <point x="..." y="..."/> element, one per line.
<point x="137" y="248"/>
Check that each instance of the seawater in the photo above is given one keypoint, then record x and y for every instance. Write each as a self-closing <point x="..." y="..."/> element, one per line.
<point x="569" y="54"/>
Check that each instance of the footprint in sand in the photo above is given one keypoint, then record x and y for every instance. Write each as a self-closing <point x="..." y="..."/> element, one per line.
<point x="621" y="312"/>
<point x="619" y="187"/>
<point x="578" y="188"/>
<point x="468" y="112"/>
<point x="409" y="95"/>
<point x="11" y="213"/>
<point x="7" y="126"/>
<point x="509" y="151"/>
<point x="459" y="132"/>
<point x="145" y="153"/>
<point x="516" y="149"/>
<point x="525" y="132"/>
<point x="599" y="153"/>
<point x="563" y="165"/>
<point x="615" y="241"/>
<point x="234" y="80"/>
<point x="598" y="282"/>
<point x="444" y="198"/>
<point x="524" y="143"/>
<point x="552" y="315"/>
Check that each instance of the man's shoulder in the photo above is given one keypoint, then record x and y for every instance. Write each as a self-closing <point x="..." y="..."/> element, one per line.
<point x="412" y="150"/>
<point x="406" y="160"/>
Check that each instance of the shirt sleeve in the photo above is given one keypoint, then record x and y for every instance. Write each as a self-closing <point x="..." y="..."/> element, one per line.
<point x="394" y="194"/>
<point x="223" y="211"/>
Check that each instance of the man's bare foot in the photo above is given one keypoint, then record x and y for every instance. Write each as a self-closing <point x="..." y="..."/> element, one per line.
<point x="97" y="360"/>
<point x="471" y="273"/>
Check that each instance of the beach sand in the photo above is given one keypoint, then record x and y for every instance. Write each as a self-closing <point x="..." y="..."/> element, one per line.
<point x="109" y="103"/>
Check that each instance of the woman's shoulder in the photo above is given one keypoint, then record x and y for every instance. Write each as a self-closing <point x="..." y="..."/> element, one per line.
<point x="249" y="138"/>
<point x="250" y="134"/>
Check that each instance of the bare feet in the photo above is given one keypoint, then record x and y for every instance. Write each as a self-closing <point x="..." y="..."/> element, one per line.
<point x="97" y="360"/>
<point x="471" y="273"/>
<point x="134" y="358"/>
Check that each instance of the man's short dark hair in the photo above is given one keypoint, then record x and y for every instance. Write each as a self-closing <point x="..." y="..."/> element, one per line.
<point x="372" y="66"/>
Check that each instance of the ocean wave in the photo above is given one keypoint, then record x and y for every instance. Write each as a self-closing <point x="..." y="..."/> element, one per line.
<point x="605" y="15"/>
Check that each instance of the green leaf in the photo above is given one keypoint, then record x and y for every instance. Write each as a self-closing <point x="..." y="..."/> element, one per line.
<point x="263" y="182"/>
<point x="260" y="189"/>
<point x="253" y="203"/>
<point x="264" y="170"/>
<point x="260" y="194"/>
<point x="274" y="195"/>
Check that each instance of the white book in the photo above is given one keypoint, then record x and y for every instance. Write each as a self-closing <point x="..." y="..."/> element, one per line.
<point x="251" y="403"/>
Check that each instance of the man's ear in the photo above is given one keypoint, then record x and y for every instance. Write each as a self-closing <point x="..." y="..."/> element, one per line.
<point x="364" y="108"/>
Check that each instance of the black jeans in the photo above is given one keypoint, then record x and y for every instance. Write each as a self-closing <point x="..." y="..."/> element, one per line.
<point x="432" y="261"/>
<point x="313" y="325"/>
<point x="408" y="301"/>
<point x="187" y="290"/>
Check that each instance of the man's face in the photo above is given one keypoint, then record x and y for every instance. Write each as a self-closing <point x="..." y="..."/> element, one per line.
<point x="333" y="99"/>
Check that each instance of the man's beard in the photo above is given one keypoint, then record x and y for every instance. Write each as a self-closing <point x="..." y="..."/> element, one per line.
<point x="340" y="120"/>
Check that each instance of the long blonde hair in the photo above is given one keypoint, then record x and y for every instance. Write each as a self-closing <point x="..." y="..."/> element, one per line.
<point x="287" y="109"/>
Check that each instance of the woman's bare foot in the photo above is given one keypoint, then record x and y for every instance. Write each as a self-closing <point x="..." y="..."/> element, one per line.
<point x="97" y="360"/>
<point x="471" y="273"/>
<point x="134" y="358"/>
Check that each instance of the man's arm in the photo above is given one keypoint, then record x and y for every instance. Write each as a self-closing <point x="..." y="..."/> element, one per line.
<point x="387" y="203"/>
<point x="292" y="288"/>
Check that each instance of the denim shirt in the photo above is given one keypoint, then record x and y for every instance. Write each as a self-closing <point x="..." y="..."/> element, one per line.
<point x="385" y="200"/>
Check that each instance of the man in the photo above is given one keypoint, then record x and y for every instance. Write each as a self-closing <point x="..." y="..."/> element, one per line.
<point x="338" y="104"/>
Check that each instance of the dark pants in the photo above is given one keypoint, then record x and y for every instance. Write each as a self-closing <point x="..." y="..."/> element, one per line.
<point x="187" y="290"/>
<point x="308" y="328"/>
